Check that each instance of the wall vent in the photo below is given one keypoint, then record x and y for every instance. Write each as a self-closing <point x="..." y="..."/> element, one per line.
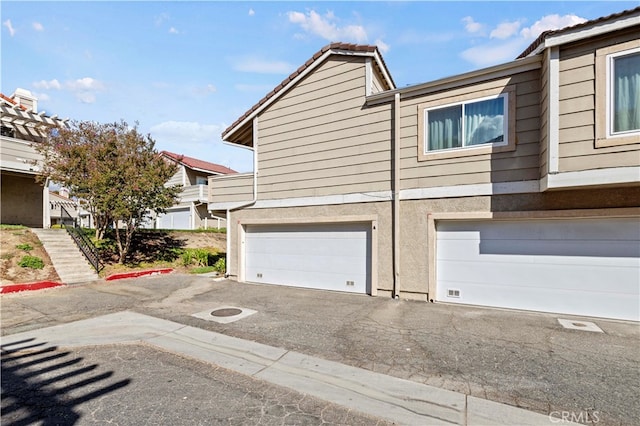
<point x="350" y="283"/>
<point x="259" y="274"/>
<point x="453" y="293"/>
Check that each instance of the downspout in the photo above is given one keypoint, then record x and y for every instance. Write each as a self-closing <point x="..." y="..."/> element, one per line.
<point x="396" y="196"/>
<point x="250" y="203"/>
<point x="46" y="208"/>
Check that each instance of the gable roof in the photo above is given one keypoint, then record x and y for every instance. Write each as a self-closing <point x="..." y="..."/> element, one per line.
<point x="586" y="29"/>
<point x="319" y="57"/>
<point x="199" y="165"/>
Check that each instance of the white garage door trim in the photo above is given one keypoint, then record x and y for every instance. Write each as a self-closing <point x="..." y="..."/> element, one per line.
<point x="335" y="256"/>
<point x="575" y="266"/>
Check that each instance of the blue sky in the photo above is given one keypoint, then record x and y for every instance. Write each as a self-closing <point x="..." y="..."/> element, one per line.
<point x="186" y="70"/>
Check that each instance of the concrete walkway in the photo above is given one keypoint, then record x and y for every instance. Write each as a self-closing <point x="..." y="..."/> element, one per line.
<point x="379" y="395"/>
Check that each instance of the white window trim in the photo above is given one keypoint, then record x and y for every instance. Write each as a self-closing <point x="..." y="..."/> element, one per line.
<point x="602" y="90"/>
<point x="505" y="123"/>
<point x="609" y="95"/>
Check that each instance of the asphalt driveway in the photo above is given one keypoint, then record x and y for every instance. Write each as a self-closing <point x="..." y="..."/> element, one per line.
<point x="526" y="360"/>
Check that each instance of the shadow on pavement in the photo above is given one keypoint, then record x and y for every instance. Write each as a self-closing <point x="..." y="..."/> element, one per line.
<point x="41" y="383"/>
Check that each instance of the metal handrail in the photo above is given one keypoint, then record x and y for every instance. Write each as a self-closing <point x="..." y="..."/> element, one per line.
<point x="86" y="246"/>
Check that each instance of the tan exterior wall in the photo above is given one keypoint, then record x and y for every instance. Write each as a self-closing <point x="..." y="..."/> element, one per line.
<point x="177" y="178"/>
<point x="231" y="188"/>
<point x="377" y="82"/>
<point x="15" y="152"/>
<point x="578" y="112"/>
<point x="318" y="139"/>
<point x="478" y="165"/>
<point x="21" y="200"/>
<point x="382" y="211"/>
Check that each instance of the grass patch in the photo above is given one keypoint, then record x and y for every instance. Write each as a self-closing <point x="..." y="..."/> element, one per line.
<point x="11" y="227"/>
<point x="31" y="262"/>
<point x="26" y="247"/>
<point x="202" y="270"/>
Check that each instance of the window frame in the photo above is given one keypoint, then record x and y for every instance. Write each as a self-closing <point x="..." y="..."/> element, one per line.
<point x="507" y="92"/>
<point x="605" y="61"/>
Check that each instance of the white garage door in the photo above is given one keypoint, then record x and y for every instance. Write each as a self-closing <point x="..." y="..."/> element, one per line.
<point x="583" y="267"/>
<point x="330" y="257"/>
<point x="176" y="219"/>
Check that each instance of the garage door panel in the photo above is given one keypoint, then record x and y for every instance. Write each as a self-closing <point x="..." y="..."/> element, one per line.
<point x="324" y="256"/>
<point x="594" y="271"/>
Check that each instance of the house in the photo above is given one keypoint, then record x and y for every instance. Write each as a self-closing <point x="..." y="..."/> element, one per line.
<point x="64" y="210"/>
<point x="24" y="200"/>
<point x="515" y="186"/>
<point x="191" y="210"/>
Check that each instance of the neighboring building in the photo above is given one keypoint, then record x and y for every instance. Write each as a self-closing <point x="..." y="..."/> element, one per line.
<point x="23" y="200"/>
<point x="515" y="186"/>
<point x="191" y="210"/>
<point x="68" y="211"/>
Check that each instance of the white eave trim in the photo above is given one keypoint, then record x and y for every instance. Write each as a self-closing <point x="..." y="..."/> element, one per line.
<point x="609" y="176"/>
<point x="299" y="77"/>
<point x="582" y="33"/>
<point x="478" y="189"/>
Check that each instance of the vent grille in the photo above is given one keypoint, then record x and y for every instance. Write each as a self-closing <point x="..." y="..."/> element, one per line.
<point x="453" y="293"/>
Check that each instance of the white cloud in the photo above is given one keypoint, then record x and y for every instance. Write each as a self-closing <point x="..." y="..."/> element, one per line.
<point x="505" y="30"/>
<point x="258" y="65"/>
<point x="472" y="26"/>
<point x="494" y="53"/>
<point x="550" y="22"/>
<point x="37" y="26"/>
<point x="42" y="97"/>
<point x="84" y="84"/>
<point x="172" y="30"/>
<point x="52" y="84"/>
<point x="211" y="88"/>
<point x="160" y="19"/>
<point x="327" y="26"/>
<point x="9" y="26"/>
<point x="252" y="12"/>
<point x="384" y="47"/>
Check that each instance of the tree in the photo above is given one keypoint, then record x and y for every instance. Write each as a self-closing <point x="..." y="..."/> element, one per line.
<point x="115" y="169"/>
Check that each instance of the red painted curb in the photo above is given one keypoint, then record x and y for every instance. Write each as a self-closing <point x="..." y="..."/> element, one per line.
<point x="29" y="286"/>
<point x="136" y="274"/>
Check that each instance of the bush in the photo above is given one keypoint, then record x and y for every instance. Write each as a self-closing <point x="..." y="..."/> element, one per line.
<point x="25" y="247"/>
<point x="220" y="265"/>
<point x="31" y="262"/>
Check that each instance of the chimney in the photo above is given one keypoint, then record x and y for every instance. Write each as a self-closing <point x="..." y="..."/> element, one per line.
<point x="26" y="99"/>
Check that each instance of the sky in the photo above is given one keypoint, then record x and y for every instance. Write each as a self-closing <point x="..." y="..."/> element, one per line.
<point x="184" y="71"/>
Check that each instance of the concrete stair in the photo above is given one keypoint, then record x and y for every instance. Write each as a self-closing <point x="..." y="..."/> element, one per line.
<point x="69" y="262"/>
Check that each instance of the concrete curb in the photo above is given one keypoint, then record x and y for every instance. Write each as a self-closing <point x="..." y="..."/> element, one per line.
<point x="398" y="400"/>
<point x="14" y="288"/>
<point x="136" y="274"/>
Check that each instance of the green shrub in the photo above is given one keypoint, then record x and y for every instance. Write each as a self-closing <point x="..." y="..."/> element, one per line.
<point x="196" y="256"/>
<point x="32" y="262"/>
<point x="220" y="265"/>
<point x="25" y="247"/>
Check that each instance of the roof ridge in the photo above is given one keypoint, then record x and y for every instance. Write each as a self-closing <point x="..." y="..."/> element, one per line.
<point x="198" y="163"/>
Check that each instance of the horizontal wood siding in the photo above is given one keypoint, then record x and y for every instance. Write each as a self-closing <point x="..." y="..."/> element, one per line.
<point x="519" y="165"/>
<point x="18" y="154"/>
<point x="231" y="188"/>
<point x="577" y="111"/>
<point x="176" y="179"/>
<point x="318" y="139"/>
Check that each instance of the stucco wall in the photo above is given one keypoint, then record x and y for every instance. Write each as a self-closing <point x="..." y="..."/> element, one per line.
<point x="21" y="201"/>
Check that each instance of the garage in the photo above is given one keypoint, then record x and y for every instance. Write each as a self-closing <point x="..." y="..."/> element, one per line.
<point x="322" y="256"/>
<point x="179" y="218"/>
<point x="587" y="267"/>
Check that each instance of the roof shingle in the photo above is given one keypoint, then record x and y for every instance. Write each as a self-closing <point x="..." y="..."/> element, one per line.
<point x="194" y="163"/>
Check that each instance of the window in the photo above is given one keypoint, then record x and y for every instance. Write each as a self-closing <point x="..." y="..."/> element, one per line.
<point x="200" y="180"/>
<point x="624" y="93"/>
<point x="467" y="124"/>
<point x="617" y="94"/>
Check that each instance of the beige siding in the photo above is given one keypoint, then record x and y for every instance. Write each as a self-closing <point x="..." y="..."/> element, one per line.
<point x="176" y="179"/>
<point x="318" y="139"/>
<point x="377" y="82"/>
<point x="577" y="149"/>
<point x="231" y="188"/>
<point x="18" y="155"/>
<point x="521" y="164"/>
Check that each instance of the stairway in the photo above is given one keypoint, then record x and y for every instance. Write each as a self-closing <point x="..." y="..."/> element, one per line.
<point x="69" y="262"/>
